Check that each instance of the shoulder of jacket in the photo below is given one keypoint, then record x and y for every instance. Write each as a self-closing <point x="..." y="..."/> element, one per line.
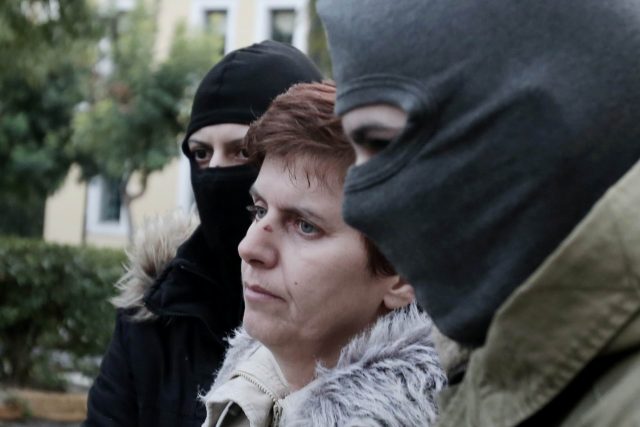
<point x="615" y="403"/>
<point x="155" y="245"/>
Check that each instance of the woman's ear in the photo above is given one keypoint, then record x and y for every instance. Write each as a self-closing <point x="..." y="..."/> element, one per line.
<point x="399" y="294"/>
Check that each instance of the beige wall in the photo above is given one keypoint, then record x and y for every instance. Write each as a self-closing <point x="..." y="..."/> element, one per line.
<point x="161" y="194"/>
<point x="170" y="14"/>
<point x="245" y="23"/>
<point x="106" y="240"/>
<point x="64" y="212"/>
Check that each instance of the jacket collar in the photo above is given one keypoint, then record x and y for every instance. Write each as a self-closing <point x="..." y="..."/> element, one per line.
<point x="583" y="302"/>
<point x="257" y="386"/>
<point x="395" y="354"/>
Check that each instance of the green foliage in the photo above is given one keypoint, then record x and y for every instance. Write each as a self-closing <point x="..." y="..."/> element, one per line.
<point x="138" y="112"/>
<point x="46" y="52"/>
<point x="318" y="50"/>
<point x="22" y="214"/>
<point x="54" y="300"/>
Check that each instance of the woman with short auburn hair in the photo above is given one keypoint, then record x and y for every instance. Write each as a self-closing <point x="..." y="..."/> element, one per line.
<point x="331" y="335"/>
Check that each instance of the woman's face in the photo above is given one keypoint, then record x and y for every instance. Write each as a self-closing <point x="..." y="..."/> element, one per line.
<point x="219" y="145"/>
<point x="307" y="287"/>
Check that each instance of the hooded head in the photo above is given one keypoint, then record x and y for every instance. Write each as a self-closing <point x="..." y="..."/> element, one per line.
<point x="520" y="115"/>
<point x="238" y="90"/>
<point x="240" y="87"/>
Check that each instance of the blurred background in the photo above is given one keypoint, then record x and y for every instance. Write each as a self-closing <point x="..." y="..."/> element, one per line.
<point x="94" y="97"/>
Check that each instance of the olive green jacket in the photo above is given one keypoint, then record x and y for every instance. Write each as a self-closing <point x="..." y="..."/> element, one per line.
<point x="564" y="349"/>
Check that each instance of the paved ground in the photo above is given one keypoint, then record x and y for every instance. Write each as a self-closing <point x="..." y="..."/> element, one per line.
<point x="37" y="423"/>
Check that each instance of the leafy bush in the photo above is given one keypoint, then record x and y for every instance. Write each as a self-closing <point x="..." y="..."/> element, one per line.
<point x="54" y="308"/>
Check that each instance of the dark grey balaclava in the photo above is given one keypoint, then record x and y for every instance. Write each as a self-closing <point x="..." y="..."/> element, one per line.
<point x="521" y="115"/>
<point x="238" y="89"/>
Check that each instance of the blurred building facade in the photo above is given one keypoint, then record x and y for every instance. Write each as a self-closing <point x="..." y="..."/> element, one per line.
<point x="91" y="212"/>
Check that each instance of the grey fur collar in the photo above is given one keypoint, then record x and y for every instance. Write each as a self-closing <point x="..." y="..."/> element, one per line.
<point x="155" y="245"/>
<point x="388" y="376"/>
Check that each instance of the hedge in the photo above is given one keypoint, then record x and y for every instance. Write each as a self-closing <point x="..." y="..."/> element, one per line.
<point x="54" y="309"/>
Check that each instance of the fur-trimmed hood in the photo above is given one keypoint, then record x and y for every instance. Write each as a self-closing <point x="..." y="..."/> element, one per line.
<point x="387" y="376"/>
<point x="155" y="245"/>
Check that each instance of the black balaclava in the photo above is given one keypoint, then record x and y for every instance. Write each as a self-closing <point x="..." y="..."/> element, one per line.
<point x="238" y="89"/>
<point x="521" y="115"/>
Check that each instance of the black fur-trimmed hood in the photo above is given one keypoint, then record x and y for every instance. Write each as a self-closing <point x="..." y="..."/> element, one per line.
<point x="155" y="245"/>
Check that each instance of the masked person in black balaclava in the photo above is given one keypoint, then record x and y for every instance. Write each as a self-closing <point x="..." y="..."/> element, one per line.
<point x="177" y="304"/>
<point x="498" y="146"/>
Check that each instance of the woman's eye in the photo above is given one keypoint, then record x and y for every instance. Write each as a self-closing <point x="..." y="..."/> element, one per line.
<point x="243" y="153"/>
<point x="257" y="212"/>
<point x="374" y="144"/>
<point x="202" y="156"/>
<point x="307" y="228"/>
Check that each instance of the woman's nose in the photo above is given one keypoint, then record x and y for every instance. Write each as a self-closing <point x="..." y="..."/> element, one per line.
<point x="258" y="247"/>
<point x="220" y="160"/>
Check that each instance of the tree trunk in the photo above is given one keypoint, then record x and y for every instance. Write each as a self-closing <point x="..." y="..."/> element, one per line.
<point x="127" y="198"/>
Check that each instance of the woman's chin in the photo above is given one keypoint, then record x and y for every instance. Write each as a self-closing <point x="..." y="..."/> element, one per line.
<point x="260" y="326"/>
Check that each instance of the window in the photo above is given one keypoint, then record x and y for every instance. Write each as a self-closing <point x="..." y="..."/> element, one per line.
<point x="105" y="212"/>
<point x="217" y="18"/>
<point x="110" y="203"/>
<point x="125" y="4"/>
<point x="216" y="26"/>
<point x="284" y="21"/>
<point x="282" y="24"/>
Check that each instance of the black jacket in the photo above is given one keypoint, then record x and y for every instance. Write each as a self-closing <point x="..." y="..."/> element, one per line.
<point x="169" y="335"/>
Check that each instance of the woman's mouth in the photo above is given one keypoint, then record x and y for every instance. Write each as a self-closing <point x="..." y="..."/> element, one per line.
<point x="256" y="292"/>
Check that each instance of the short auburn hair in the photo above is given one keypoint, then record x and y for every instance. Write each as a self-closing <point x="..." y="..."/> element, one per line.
<point x="300" y="123"/>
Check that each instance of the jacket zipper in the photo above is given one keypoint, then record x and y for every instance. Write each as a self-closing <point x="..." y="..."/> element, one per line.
<point x="195" y="272"/>
<point x="277" y="408"/>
